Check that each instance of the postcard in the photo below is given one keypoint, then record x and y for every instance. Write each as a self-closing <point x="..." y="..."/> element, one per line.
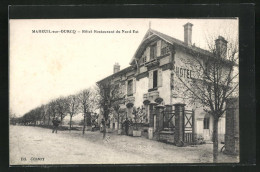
<point x="123" y="91"/>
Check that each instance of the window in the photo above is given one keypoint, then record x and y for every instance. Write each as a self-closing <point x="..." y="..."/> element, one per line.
<point x="165" y="48"/>
<point x="130" y="87"/>
<point x="206" y="123"/>
<point x="153" y="51"/>
<point x="155" y="78"/>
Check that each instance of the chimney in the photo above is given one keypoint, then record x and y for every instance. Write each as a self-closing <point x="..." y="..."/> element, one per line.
<point x="116" y="67"/>
<point x="221" y="47"/>
<point x="188" y="33"/>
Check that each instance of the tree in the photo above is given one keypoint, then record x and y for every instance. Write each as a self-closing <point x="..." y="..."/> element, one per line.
<point x="110" y="96"/>
<point x="43" y="111"/>
<point x="94" y="118"/>
<point x="37" y="114"/>
<point x="62" y="107"/>
<point x="116" y="108"/>
<point x="51" y="110"/>
<point x="73" y="106"/>
<point x="139" y="115"/>
<point x="32" y="116"/>
<point x="210" y="81"/>
<point x="85" y="104"/>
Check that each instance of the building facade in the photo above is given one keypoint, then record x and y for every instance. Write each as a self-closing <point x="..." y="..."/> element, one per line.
<point x="151" y="81"/>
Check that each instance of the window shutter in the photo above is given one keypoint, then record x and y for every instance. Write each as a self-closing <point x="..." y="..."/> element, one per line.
<point x="134" y="85"/>
<point x="159" y="77"/>
<point x="122" y="89"/>
<point x="148" y="54"/>
<point x="126" y="87"/>
<point x="159" y="48"/>
<point x="150" y="79"/>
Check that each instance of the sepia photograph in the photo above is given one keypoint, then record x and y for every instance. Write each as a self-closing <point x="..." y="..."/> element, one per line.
<point x="124" y="91"/>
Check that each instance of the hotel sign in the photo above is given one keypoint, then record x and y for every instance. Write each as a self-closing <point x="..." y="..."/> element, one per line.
<point x="183" y="72"/>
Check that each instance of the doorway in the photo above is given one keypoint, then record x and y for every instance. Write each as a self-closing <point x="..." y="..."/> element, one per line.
<point x="206" y="128"/>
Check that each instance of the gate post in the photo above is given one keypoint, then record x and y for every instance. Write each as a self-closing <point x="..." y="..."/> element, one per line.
<point x="179" y="124"/>
<point x="193" y="126"/>
<point x="168" y="111"/>
<point x="232" y="127"/>
<point x="151" y="116"/>
<point x="159" y="117"/>
<point x="151" y="123"/>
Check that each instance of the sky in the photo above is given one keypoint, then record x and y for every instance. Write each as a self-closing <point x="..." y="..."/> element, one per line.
<point x="45" y="66"/>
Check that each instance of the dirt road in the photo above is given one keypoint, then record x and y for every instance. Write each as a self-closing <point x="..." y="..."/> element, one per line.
<point x="35" y="145"/>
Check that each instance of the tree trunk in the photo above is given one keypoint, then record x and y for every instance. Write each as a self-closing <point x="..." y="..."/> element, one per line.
<point x="118" y="122"/>
<point x="70" y="121"/>
<point x="84" y="124"/>
<point x="105" y="129"/>
<point x="215" y="140"/>
<point x="44" y="120"/>
<point x="49" y="120"/>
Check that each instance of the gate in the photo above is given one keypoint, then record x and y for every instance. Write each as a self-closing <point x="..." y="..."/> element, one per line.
<point x="169" y="123"/>
<point x="169" y="119"/>
<point x="188" y="126"/>
<point x="178" y="124"/>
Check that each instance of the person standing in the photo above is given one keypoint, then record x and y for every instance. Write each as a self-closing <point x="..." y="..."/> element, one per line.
<point x="55" y="123"/>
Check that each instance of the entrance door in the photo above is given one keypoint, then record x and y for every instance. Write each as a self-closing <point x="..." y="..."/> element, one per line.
<point x="206" y="131"/>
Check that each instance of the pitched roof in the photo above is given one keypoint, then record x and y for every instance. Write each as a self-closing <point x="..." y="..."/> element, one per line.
<point x="117" y="73"/>
<point x="172" y="41"/>
<point x="165" y="37"/>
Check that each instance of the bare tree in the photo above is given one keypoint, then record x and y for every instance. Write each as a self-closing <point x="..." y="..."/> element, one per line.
<point x="85" y="104"/>
<point x="211" y="79"/>
<point x="73" y="105"/>
<point x="110" y="96"/>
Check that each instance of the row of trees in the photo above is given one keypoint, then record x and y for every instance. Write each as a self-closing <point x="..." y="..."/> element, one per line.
<point x="80" y="103"/>
<point x="105" y="97"/>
